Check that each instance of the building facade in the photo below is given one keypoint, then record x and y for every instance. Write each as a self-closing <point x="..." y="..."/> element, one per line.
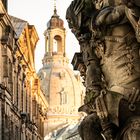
<point x="23" y="106"/>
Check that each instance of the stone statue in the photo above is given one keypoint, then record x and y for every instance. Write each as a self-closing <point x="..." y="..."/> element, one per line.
<point x="108" y="32"/>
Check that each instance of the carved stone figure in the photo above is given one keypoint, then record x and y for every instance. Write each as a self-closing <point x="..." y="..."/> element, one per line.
<point x="108" y="32"/>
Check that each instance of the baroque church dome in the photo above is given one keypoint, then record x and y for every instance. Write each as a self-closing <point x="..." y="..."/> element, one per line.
<point x="60" y="79"/>
<point x="62" y="88"/>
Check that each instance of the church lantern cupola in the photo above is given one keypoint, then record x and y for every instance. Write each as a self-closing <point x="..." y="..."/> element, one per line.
<point x="55" y="36"/>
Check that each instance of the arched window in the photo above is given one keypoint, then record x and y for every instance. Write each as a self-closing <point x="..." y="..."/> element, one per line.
<point x="54" y="46"/>
<point x="57" y="44"/>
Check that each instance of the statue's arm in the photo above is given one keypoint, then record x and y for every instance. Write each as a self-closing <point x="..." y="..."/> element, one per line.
<point x="110" y="15"/>
<point x="93" y="75"/>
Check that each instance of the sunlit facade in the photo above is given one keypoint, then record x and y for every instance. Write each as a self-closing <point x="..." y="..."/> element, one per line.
<point x="23" y="106"/>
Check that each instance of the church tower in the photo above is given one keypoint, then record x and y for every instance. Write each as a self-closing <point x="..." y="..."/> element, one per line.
<point x="62" y="88"/>
<point x="55" y="39"/>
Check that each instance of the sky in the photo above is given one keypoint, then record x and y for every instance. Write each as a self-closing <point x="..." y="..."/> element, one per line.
<point x="38" y="13"/>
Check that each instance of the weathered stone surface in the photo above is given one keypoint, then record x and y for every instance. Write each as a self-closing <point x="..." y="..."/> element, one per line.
<point x="109" y="34"/>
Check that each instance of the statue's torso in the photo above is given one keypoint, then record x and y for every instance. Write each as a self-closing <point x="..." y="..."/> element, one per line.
<point x="120" y="61"/>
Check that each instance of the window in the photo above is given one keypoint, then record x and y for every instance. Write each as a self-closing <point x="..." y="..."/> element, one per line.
<point x="63" y="97"/>
<point x="57" y="44"/>
<point x="54" y="46"/>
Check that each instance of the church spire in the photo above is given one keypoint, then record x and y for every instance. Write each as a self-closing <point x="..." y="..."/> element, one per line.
<point x="55" y="10"/>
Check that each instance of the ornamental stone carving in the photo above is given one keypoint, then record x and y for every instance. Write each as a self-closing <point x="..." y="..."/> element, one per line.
<point x="108" y="32"/>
